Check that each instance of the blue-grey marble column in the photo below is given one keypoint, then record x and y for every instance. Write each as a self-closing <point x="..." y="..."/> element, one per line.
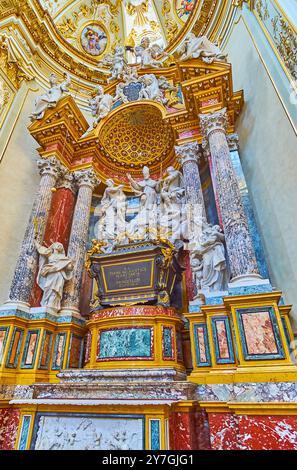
<point x="86" y="181"/>
<point x="189" y="155"/>
<point x="238" y="239"/>
<point x="26" y="267"/>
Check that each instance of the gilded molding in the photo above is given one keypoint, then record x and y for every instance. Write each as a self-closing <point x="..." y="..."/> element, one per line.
<point x="10" y="66"/>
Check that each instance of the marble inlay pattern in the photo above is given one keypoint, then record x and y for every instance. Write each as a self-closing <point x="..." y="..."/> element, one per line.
<point x="155" y="434"/>
<point x="284" y="392"/>
<point x="124" y="343"/>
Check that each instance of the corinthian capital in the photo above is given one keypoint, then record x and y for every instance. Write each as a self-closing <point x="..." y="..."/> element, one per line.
<point x="213" y="122"/>
<point x="87" y="178"/>
<point x="67" y="181"/>
<point x="50" y="166"/>
<point x="188" y="152"/>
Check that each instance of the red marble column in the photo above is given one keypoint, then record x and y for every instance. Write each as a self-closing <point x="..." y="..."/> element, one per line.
<point x="182" y="431"/>
<point x="57" y="229"/>
<point x="9" y="422"/>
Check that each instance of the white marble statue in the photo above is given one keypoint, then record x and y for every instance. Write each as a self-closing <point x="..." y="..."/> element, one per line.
<point x="148" y="187"/>
<point x="150" y="89"/>
<point x="146" y="219"/>
<point x="172" y="209"/>
<point x="148" y="54"/>
<point x="112" y="212"/>
<point x="172" y="186"/>
<point x="118" y="64"/>
<point x="200" y="47"/>
<point x="120" y="95"/>
<point x="165" y="86"/>
<point x="100" y="104"/>
<point x="209" y="261"/>
<point x="54" y="269"/>
<point x="52" y="96"/>
<point x="130" y="75"/>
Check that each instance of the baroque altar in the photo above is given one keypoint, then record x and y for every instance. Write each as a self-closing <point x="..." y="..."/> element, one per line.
<point x="141" y="298"/>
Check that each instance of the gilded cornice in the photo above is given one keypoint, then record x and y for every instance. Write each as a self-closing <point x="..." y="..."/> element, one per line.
<point x="112" y="148"/>
<point x="37" y="27"/>
<point x="10" y="66"/>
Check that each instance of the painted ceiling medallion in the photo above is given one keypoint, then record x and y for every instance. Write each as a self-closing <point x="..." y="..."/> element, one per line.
<point x="184" y="8"/>
<point x="93" y="39"/>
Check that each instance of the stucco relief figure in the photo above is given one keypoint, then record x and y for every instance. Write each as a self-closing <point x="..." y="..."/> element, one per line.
<point x="130" y="75"/>
<point x="148" y="54"/>
<point x="172" y="185"/>
<point x="54" y="269"/>
<point x="148" y="190"/>
<point x="211" y="255"/>
<point x="169" y="92"/>
<point x="52" y="96"/>
<point x="150" y="89"/>
<point x="112" y="212"/>
<point x="118" y="64"/>
<point x="100" y="104"/>
<point x="200" y="47"/>
<point x="120" y="95"/>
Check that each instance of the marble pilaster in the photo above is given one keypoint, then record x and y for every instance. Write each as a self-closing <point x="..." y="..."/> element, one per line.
<point x="238" y="240"/>
<point x="86" y="181"/>
<point x="26" y="267"/>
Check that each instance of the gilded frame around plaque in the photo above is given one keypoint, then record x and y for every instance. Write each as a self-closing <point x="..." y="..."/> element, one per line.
<point x="127" y="289"/>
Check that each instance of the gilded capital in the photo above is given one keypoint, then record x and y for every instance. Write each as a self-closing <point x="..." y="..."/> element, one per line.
<point x="87" y="178"/>
<point x="50" y="166"/>
<point x="213" y="122"/>
<point x="188" y="152"/>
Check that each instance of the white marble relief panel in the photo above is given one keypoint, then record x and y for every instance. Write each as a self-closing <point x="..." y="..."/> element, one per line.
<point x="89" y="433"/>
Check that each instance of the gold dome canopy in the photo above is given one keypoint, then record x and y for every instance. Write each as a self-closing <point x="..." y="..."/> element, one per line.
<point x="136" y="135"/>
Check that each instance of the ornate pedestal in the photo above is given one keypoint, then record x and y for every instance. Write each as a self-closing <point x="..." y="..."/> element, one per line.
<point x="139" y="337"/>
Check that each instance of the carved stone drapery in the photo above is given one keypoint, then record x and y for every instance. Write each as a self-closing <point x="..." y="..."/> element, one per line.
<point x="238" y="240"/>
<point x="26" y="268"/>
<point x="86" y="181"/>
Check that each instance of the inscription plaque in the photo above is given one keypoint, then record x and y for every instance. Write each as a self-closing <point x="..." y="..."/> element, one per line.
<point x="124" y="277"/>
<point x="143" y="272"/>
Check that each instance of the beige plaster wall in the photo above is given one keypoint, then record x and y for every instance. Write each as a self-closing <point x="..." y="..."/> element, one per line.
<point x="268" y="154"/>
<point x="19" y="180"/>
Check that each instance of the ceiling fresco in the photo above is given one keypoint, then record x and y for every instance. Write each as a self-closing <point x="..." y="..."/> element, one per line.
<point x="96" y="27"/>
